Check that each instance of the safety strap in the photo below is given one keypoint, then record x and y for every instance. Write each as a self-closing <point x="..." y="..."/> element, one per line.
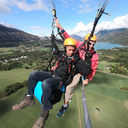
<point x="60" y="85"/>
<point x="50" y="65"/>
<point x="81" y="46"/>
<point x="94" y="53"/>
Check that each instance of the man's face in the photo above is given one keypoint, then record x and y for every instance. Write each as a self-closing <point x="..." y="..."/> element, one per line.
<point x="70" y="50"/>
<point x="91" y="45"/>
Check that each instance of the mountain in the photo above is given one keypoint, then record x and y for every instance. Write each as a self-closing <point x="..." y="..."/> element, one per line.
<point x="119" y="36"/>
<point x="46" y="38"/>
<point x="103" y="32"/>
<point x="76" y="37"/>
<point x="15" y="35"/>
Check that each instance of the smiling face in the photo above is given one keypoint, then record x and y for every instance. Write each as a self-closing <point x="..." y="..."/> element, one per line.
<point x="92" y="41"/>
<point x="91" y="45"/>
<point x="70" y="49"/>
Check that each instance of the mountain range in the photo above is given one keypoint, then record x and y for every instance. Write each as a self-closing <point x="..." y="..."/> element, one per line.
<point x="9" y="35"/>
<point x="119" y="36"/>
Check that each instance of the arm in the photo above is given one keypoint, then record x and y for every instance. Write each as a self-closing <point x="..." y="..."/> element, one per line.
<point x="65" y="34"/>
<point x="94" y="64"/>
<point x="82" y="67"/>
<point x="58" y="24"/>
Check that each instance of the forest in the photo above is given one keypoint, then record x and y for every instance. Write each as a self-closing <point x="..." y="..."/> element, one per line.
<point x="13" y="61"/>
<point x="117" y="55"/>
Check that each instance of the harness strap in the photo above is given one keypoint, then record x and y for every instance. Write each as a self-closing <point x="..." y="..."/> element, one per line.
<point x="81" y="45"/>
<point x="94" y="53"/>
<point x="60" y="34"/>
<point x="60" y="85"/>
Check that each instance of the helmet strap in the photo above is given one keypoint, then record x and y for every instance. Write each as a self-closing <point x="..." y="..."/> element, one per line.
<point x="64" y="48"/>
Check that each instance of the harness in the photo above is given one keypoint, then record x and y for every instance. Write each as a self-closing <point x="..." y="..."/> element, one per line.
<point x="98" y="16"/>
<point x="60" y="56"/>
<point x="53" y="39"/>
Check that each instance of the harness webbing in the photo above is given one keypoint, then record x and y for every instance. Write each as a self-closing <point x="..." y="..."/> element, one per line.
<point x="53" y="39"/>
<point x="60" y="85"/>
<point x="98" y="16"/>
<point x="81" y="45"/>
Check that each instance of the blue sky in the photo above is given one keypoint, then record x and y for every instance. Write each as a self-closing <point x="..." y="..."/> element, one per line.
<point x="76" y="16"/>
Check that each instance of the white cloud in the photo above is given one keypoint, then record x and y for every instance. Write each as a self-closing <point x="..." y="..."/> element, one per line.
<point x="38" y="28"/>
<point x="23" y="5"/>
<point x="5" y="6"/>
<point x="65" y="2"/>
<point x="40" y="31"/>
<point x="81" y="29"/>
<point x="86" y="6"/>
<point x="7" y="25"/>
<point x="118" y="22"/>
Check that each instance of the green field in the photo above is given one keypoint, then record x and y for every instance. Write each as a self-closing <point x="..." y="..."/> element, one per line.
<point x="103" y="93"/>
<point x="103" y="64"/>
<point x="12" y="76"/>
<point x="7" y="50"/>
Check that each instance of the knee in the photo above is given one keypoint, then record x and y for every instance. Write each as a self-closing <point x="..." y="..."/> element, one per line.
<point x="69" y="87"/>
<point x="45" y="85"/>
<point x="32" y="74"/>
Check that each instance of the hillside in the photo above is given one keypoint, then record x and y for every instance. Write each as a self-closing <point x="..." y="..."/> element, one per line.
<point x="14" y="35"/>
<point x="110" y="31"/>
<point x="119" y="37"/>
<point x="103" y="93"/>
<point x="10" y="37"/>
<point x="76" y="37"/>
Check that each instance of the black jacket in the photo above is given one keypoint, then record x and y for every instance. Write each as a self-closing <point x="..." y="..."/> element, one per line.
<point x="65" y="65"/>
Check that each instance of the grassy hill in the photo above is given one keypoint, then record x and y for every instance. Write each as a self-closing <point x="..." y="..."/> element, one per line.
<point x="103" y="93"/>
<point x="120" y="37"/>
<point x="14" y="35"/>
<point x="103" y="32"/>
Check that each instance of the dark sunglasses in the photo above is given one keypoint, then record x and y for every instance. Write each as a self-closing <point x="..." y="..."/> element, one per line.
<point x="91" y="43"/>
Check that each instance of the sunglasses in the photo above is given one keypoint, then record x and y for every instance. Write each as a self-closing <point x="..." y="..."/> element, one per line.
<point x="91" y="43"/>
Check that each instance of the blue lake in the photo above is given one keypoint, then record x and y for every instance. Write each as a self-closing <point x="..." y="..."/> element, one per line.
<point x="101" y="45"/>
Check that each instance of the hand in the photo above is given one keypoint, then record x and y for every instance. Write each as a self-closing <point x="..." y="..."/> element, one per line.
<point x="85" y="82"/>
<point x="57" y="24"/>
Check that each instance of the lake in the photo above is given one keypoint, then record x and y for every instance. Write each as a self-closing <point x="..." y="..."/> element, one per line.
<point x="101" y="45"/>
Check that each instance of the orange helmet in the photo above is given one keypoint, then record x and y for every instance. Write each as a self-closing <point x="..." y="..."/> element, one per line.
<point x="94" y="38"/>
<point x="69" y="41"/>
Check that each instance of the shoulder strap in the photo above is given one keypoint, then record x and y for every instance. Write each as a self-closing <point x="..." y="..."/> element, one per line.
<point x="94" y="53"/>
<point x="81" y="45"/>
<point x="50" y="65"/>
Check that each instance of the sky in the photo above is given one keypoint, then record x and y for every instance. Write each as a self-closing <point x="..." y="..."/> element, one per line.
<point x="75" y="16"/>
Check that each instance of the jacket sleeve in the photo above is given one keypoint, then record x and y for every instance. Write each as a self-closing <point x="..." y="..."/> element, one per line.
<point x="94" y="64"/>
<point x="82" y="67"/>
<point x="65" y="34"/>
